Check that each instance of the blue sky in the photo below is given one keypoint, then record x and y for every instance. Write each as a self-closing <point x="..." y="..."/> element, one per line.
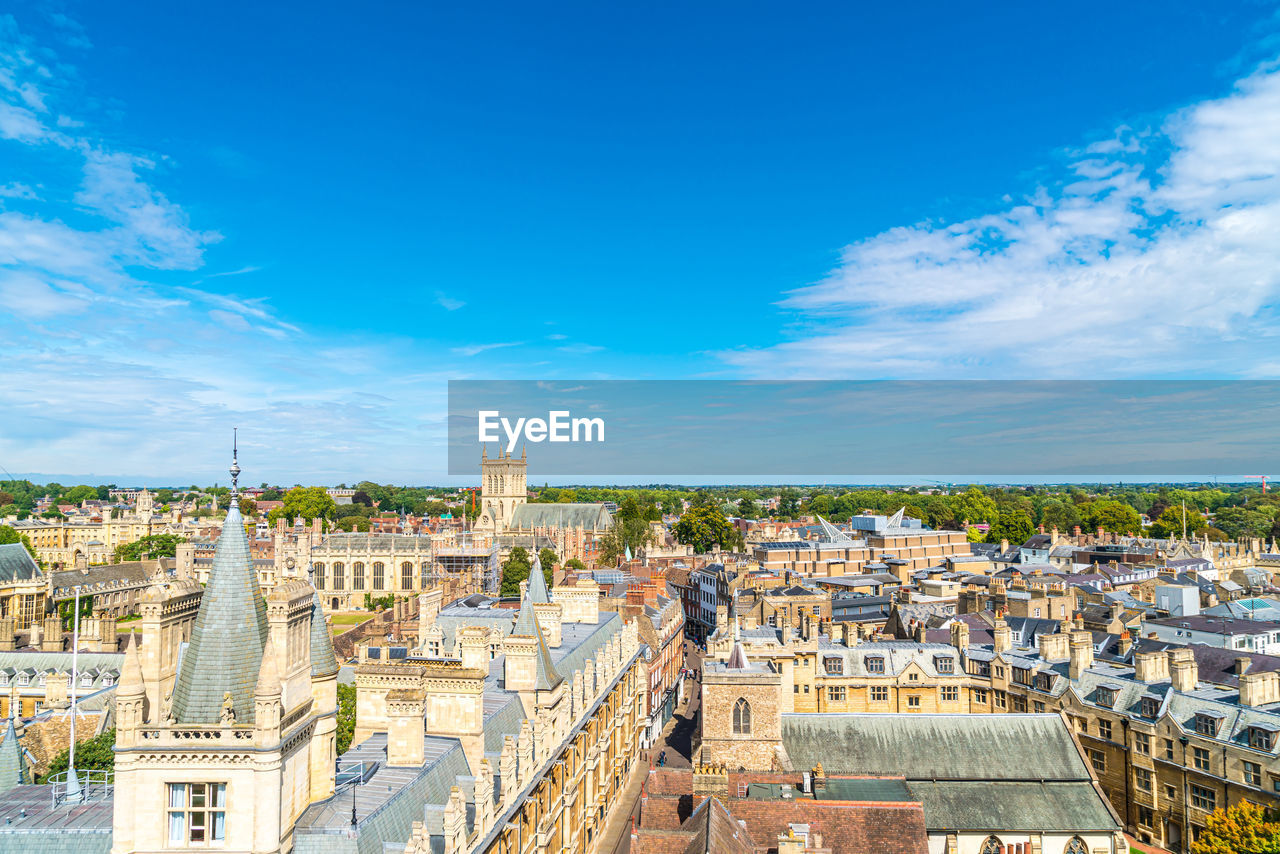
<point x="303" y="219"/>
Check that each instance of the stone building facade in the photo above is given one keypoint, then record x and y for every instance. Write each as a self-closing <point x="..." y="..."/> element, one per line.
<point x="1167" y="746"/>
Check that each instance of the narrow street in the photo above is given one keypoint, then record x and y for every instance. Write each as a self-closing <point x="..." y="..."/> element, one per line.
<point x="675" y="748"/>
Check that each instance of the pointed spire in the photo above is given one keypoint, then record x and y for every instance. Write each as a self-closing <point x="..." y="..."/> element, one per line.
<point x="527" y="626"/>
<point x="131" y="681"/>
<point x="229" y="635"/>
<point x="14" y="770"/>
<point x="737" y="658"/>
<point x="268" y="677"/>
<point x="323" y="661"/>
<point x="537" y="583"/>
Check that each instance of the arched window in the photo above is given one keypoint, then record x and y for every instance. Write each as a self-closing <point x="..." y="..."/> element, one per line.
<point x="1076" y="846"/>
<point x="339" y="570"/>
<point x="406" y="576"/>
<point x="379" y="576"/>
<point x="993" y="845"/>
<point x="741" y="717"/>
<point x="357" y="576"/>
<point x="319" y="567"/>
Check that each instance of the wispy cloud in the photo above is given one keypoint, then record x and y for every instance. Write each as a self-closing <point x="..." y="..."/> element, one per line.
<point x="121" y="374"/>
<point x="1155" y="255"/>
<point x="447" y="302"/>
<point x="476" y="349"/>
<point x="17" y="190"/>
<point x="580" y="349"/>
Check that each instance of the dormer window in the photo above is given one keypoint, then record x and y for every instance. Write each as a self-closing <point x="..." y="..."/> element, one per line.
<point x="1150" y="707"/>
<point x="1207" y="724"/>
<point x="834" y="666"/>
<point x="875" y="664"/>
<point x="1105" y="696"/>
<point x="1261" y="738"/>
<point x="1044" y="682"/>
<point x="945" y="664"/>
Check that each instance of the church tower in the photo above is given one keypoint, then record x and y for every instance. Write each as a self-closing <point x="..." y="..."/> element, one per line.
<point x="503" y="488"/>
<point x="227" y="748"/>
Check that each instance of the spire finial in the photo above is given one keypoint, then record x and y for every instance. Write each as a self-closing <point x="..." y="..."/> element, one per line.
<point x="235" y="464"/>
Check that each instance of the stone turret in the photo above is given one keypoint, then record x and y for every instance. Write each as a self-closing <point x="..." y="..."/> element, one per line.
<point x="1002" y="637"/>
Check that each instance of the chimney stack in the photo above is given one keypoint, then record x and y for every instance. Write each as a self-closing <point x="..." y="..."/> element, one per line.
<point x="1081" y="653"/>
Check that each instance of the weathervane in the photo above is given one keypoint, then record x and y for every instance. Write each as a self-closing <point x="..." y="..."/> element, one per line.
<point x="235" y="465"/>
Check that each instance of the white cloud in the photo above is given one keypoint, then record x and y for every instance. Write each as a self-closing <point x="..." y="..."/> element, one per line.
<point x="1156" y="255"/>
<point x="17" y="190"/>
<point x="447" y="302"/>
<point x="476" y="349"/>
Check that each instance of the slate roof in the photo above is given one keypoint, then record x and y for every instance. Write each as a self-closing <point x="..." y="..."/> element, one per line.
<point x="16" y="564"/>
<point x="526" y="517"/>
<point x="14" y="770"/>
<point x="1042" y="807"/>
<point x="973" y="773"/>
<point x="527" y="626"/>
<point x="230" y="632"/>
<point x="935" y="747"/>
<point x="110" y="575"/>
<point x="323" y="661"/>
<point x="537" y="590"/>
<point x="30" y="824"/>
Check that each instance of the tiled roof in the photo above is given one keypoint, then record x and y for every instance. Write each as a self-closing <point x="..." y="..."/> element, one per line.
<point x="230" y="632"/>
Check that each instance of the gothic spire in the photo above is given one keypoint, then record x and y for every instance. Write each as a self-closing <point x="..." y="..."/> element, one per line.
<point x="230" y="633"/>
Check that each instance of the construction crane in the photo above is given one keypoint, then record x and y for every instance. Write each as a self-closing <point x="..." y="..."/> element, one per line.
<point x="1263" y="478"/>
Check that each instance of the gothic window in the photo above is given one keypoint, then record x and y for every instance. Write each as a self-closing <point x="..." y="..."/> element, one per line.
<point x="357" y="576"/>
<point x="339" y="570"/>
<point x="319" y="567"/>
<point x="379" y="576"/>
<point x="992" y="845"/>
<point x="1076" y="846"/>
<point x="742" y="717"/>
<point x="406" y="576"/>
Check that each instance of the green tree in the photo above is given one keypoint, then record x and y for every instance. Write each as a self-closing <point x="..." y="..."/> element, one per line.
<point x="1170" y="522"/>
<point x="1245" y="828"/>
<point x="1013" y="525"/>
<point x="704" y="527"/>
<point x="248" y="507"/>
<point x="973" y="506"/>
<point x="574" y="565"/>
<point x="92" y="754"/>
<point x="747" y="507"/>
<point x="516" y="569"/>
<point x="164" y="496"/>
<point x="309" y="503"/>
<point x="633" y="534"/>
<point x="153" y="545"/>
<point x="1113" y="516"/>
<point x="76" y="494"/>
<point x="548" y="558"/>
<point x="788" y="503"/>
<point x="346" y="716"/>
<point x="1062" y="515"/>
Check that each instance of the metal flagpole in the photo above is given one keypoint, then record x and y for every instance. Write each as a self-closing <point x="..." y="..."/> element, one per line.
<point x="73" y="782"/>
